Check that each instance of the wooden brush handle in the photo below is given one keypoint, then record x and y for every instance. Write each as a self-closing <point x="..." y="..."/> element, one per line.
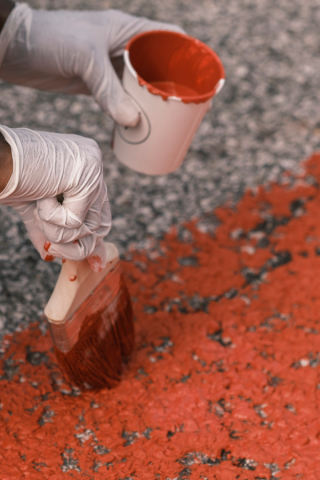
<point x="76" y="281"/>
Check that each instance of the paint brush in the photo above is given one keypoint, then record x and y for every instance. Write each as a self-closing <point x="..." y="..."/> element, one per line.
<point x="91" y="322"/>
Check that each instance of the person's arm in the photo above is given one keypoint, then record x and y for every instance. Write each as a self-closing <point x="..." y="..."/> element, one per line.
<point x="6" y="6"/>
<point x="6" y="164"/>
<point x="71" y="52"/>
<point x="46" y="165"/>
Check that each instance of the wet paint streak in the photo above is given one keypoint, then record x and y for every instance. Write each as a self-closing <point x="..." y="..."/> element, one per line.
<point x="224" y="382"/>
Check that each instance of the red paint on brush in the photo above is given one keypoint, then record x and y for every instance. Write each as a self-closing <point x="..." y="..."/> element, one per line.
<point x="167" y="62"/>
<point x="105" y="337"/>
<point x="224" y="381"/>
<point x="47" y="245"/>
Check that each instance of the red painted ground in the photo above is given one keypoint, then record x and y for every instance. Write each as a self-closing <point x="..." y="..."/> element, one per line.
<point x="224" y="383"/>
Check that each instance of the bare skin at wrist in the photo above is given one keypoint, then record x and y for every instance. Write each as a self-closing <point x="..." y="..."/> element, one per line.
<point x="6" y="163"/>
<point x="6" y="6"/>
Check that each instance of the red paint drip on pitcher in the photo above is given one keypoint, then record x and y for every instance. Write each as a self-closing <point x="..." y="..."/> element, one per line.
<point x="168" y="89"/>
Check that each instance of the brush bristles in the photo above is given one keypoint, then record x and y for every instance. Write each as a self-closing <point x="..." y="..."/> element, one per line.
<point x="95" y="361"/>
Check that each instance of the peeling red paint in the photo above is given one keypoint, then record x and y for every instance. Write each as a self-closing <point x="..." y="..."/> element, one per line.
<point x="224" y="382"/>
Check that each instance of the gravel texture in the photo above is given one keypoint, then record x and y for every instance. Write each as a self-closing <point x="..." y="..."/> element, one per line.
<point x="224" y="380"/>
<point x="265" y="120"/>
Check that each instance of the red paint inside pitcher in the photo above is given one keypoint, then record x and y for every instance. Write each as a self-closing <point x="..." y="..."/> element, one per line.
<point x="173" y="64"/>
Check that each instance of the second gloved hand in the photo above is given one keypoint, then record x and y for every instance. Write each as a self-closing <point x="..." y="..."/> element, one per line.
<point x="46" y="165"/>
<point x="70" y="51"/>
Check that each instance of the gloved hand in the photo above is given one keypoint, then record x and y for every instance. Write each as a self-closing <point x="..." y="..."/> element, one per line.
<point x="49" y="164"/>
<point x="70" y="51"/>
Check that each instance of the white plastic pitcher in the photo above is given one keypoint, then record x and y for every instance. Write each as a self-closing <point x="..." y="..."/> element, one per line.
<point x="171" y="78"/>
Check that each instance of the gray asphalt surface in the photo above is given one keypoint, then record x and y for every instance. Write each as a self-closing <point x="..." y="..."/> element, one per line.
<point x="265" y="121"/>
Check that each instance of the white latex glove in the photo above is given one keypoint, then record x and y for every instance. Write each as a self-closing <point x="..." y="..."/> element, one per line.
<point x="69" y="52"/>
<point x="49" y="164"/>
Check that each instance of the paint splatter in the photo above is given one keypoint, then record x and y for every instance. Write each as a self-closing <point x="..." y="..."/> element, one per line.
<point x="224" y="382"/>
